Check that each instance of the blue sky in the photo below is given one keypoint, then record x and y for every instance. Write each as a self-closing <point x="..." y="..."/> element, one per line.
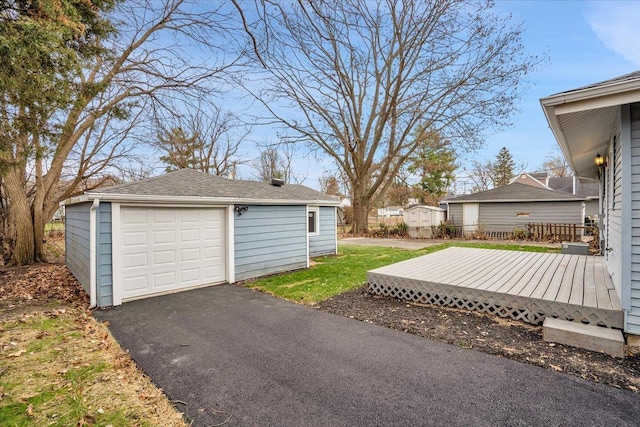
<point x="585" y="42"/>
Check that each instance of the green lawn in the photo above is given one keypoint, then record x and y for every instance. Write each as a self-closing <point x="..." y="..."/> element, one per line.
<point x="333" y="275"/>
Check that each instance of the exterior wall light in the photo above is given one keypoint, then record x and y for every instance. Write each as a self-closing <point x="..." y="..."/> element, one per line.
<point x="600" y="160"/>
<point x="240" y="209"/>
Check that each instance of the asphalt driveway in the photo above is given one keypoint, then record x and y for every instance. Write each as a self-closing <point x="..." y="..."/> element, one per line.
<point x="230" y="350"/>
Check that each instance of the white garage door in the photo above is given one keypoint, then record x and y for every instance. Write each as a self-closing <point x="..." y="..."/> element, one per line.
<point x="168" y="249"/>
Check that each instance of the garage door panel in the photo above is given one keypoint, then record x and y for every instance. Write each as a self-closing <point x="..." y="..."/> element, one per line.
<point x="135" y="216"/>
<point x="173" y="248"/>
<point x="192" y="235"/>
<point x="132" y="238"/>
<point x="164" y="257"/>
<point x="190" y="255"/>
<point x="163" y="217"/>
<point x="136" y="283"/>
<point x="164" y="236"/>
<point x="165" y="279"/>
<point x="190" y="216"/>
<point x="139" y="260"/>
<point x="191" y="275"/>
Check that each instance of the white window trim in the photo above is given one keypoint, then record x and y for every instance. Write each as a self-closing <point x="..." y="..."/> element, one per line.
<point x="315" y="209"/>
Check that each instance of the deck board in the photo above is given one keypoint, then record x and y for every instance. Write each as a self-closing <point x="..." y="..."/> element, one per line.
<point x="577" y="284"/>
<point x="521" y="285"/>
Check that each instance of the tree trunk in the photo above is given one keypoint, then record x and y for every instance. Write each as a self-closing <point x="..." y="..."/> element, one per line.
<point x="20" y="220"/>
<point x="360" y="211"/>
<point x="39" y="223"/>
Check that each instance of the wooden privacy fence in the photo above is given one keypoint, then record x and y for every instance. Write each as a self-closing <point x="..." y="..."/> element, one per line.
<point x="560" y="232"/>
<point x="391" y="221"/>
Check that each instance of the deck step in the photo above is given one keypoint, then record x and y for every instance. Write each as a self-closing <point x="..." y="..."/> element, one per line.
<point x="589" y="337"/>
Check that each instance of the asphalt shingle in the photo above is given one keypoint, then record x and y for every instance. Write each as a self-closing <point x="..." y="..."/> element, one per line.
<point x="192" y="183"/>
<point x="514" y="192"/>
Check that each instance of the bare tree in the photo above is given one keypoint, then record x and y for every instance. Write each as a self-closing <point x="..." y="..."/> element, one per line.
<point x="330" y="184"/>
<point x="363" y="76"/>
<point x="556" y="165"/>
<point x="133" y="68"/>
<point x="204" y="138"/>
<point x="276" y="161"/>
<point x="480" y="174"/>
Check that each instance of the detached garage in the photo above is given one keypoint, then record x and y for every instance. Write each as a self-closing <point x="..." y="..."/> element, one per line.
<point x="188" y="229"/>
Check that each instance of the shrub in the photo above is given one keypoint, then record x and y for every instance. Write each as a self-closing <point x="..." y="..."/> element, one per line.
<point x="520" y="234"/>
<point x="401" y="229"/>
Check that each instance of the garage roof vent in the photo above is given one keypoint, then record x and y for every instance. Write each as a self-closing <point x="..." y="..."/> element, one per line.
<point x="277" y="182"/>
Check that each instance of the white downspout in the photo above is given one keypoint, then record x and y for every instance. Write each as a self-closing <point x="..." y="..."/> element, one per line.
<point x="93" y="242"/>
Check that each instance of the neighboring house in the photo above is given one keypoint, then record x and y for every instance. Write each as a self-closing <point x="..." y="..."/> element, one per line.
<point x="602" y="122"/>
<point x="502" y="210"/>
<point x="188" y="229"/>
<point x="585" y="189"/>
<point x="420" y="219"/>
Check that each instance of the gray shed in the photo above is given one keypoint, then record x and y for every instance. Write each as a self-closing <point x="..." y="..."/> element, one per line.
<point x="420" y="219"/>
<point x="188" y="229"/>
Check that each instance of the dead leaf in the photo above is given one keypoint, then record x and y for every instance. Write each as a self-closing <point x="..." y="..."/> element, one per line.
<point x="18" y="353"/>
<point x="555" y="368"/>
<point x="30" y="410"/>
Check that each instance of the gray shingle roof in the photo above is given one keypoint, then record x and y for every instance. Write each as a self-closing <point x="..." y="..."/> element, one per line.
<point x="190" y="183"/>
<point x="621" y="79"/>
<point x="513" y="193"/>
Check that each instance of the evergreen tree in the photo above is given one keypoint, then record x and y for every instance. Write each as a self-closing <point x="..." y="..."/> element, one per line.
<point x="503" y="169"/>
<point x="434" y="162"/>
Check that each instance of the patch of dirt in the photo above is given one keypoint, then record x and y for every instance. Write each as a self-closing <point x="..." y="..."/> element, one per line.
<point x="490" y="334"/>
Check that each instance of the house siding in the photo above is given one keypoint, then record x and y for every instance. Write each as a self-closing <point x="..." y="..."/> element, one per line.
<point x="104" y="265"/>
<point x="324" y="243"/>
<point x="502" y="216"/>
<point x="613" y="220"/>
<point x="77" y="242"/>
<point x="633" y="314"/>
<point x="454" y="214"/>
<point x="270" y="239"/>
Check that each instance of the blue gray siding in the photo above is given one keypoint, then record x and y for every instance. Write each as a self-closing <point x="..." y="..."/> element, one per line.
<point x="613" y="220"/>
<point x="77" y="242"/>
<point x="270" y="239"/>
<point x="454" y="214"/>
<point x="503" y="216"/>
<point x="103" y="256"/>
<point x="633" y="315"/>
<point x="325" y="242"/>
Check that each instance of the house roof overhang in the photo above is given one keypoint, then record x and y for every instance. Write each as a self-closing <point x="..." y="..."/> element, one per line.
<point x="182" y="200"/>
<point x="584" y="120"/>
<point x="568" y="199"/>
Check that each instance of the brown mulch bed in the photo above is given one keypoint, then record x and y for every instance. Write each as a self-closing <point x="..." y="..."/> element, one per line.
<point x="490" y="334"/>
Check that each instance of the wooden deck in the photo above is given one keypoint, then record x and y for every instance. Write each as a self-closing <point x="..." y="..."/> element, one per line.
<point x="526" y="286"/>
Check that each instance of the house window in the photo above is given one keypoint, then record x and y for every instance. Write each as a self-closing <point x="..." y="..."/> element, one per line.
<point x="312" y="220"/>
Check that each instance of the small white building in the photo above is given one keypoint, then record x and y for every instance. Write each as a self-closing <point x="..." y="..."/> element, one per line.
<point x="420" y="219"/>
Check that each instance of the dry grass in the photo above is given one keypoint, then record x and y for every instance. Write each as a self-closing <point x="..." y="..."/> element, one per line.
<point x="59" y="366"/>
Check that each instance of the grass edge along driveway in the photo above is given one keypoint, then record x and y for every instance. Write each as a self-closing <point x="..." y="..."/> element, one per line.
<point x="334" y="274"/>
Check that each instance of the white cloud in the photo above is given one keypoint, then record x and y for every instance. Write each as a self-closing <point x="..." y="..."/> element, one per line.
<point x="617" y="25"/>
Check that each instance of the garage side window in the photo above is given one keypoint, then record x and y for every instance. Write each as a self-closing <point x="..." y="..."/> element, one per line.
<point x="312" y="220"/>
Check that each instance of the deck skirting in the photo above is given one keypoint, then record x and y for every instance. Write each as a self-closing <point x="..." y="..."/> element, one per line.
<point x="410" y="281"/>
